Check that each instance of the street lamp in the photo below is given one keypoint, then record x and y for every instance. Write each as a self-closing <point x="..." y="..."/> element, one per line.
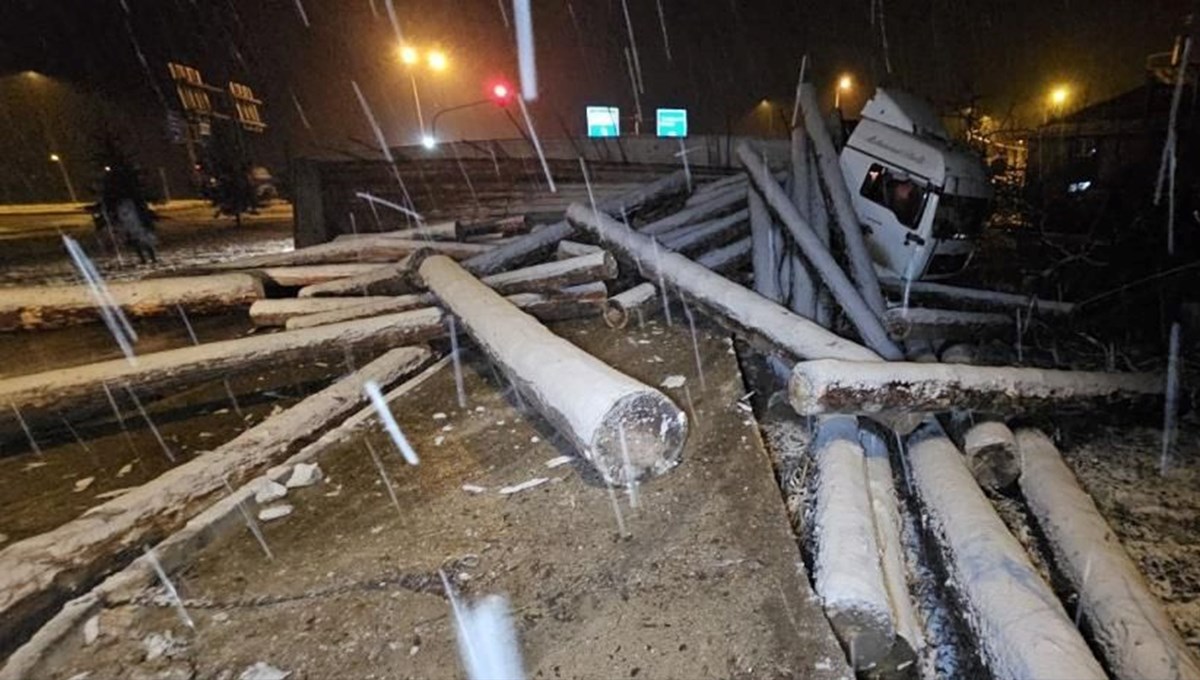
<point x="56" y="159"/>
<point x="1056" y="100"/>
<point x="437" y="60"/>
<point x="844" y="84"/>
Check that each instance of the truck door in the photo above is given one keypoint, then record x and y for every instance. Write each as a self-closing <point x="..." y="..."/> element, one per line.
<point x="894" y="206"/>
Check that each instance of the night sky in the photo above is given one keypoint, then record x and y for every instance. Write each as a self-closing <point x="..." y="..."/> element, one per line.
<point x="726" y="56"/>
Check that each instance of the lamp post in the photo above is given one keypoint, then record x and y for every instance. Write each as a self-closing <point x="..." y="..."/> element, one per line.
<point x="844" y="84"/>
<point x="501" y="95"/>
<point x="56" y="159"/>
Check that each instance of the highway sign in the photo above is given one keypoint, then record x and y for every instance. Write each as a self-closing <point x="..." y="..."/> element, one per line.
<point x="603" y="121"/>
<point x="672" y="123"/>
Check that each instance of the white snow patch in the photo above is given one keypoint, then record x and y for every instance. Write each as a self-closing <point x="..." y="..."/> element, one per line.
<point x="672" y="382"/>
<point x="270" y="492"/>
<point x="275" y="512"/>
<point x="523" y="486"/>
<point x="556" y="462"/>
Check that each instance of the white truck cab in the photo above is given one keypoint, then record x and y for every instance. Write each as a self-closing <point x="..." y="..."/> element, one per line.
<point x="922" y="199"/>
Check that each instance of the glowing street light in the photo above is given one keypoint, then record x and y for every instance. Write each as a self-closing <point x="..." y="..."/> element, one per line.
<point x="1056" y="100"/>
<point x="57" y="160"/>
<point x="437" y="60"/>
<point x="844" y="84"/>
<point x="428" y="142"/>
<point x="409" y="55"/>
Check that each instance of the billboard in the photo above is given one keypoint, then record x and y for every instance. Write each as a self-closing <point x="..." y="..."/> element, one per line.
<point x="603" y="121"/>
<point x="672" y="123"/>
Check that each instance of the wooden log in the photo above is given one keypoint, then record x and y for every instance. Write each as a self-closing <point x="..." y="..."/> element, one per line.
<point x="276" y="311"/>
<point x="43" y="396"/>
<point x="550" y="277"/>
<point x="568" y="249"/>
<point x="865" y="319"/>
<point x="847" y="571"/>
<point x="706" y="191"/>
<point x="374" y="248"/>
<point x="45" y="307"/>
<point x="832" y="386"/>
<point x="830" y="169"/>
<point x="638" y="302"/>
<point x="720" y="203"/>
<point x="506" y="257"/>
<point x="747" y="313"/>
<point x="804" y="283"/>
<point x="1127" y="621"/>
<point x="923" y="323"/>
<point x="766" y="244"/>
<point x="727" y="258"/>
<point x="389" y="279"/>
<point x="512" y="225"/>
<point x="438" y="231"/>
<point x="307" y="275"/>
<point x="974" y="298"/>
<point x="885" y="507"/>
<point x="41" y="572"/>
<point x="706" y="235"/>
<point x="988" y="444"/>
<point x="1022" y="629"/>
<point x="626" y="429"/>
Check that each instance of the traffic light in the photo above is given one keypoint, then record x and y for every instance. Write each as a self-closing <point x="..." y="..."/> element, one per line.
<point x="501" y="93"/>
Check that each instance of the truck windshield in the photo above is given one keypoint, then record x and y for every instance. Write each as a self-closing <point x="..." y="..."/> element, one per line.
<point x="959" y="217"/>
<point x="904" y="197"/>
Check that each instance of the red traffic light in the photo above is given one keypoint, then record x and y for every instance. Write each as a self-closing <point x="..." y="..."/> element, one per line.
<point x="501" y="93"/>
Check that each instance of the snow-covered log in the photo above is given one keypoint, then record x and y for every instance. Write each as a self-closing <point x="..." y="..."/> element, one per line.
<point x="886" y="508"/>
<point x="1129" y="624"/>
<point x="988" y="444"/>
<point x="438" y="231"/>
<point x="626" y="429"/>
<point x="865" y="319"/>
<point x="718" y="204"/>
<point x="568" y="249"/>
<point x="1022" y="629"/>
<point x="742" y="310"/>
<point x="766" y="244"/>
<point x="307" y="275"/>
<point x="43" y="307"/>
<point x="924" y="323"/>
<point x="727" y="258"/>
<point x="804" y="284"/>
<point x="512" y="225"/>
<point x="545" y="240"/>
<point x="830" y="169"/>
<point x="391" y="279"/>
<point x="276" y="311"/>
<point x="706" y="235"/>
<point x="974" y="298"/>
<point x="705" y="192"/>
<point x="638" y="302"/>
<point x="39" y="572"/>
<point x="549" y="277"/>
<point x="80" y="389"/>
<point x="848" y="574"/>
<point x="374" y="248"/>
<point x="833" y="386"/>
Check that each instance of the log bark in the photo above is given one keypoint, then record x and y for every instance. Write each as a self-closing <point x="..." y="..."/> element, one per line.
<point x="636" y="303"/>
<point x="41" y="572"/>
<point x="626" y="429"/>
<point x="386" y="280"/>
<point x="43" y="396"/>
<point x="307" y="275"/>
<point x="512" y="225"/>
<point x="375" y="248"/>
<point x="568" y="249"/>
<point x="440" y="231"/>
<point x="706" y="235"/>
<point x="766" y="245"/>
<point x="923" y="323"/>
<point x="865" y="319"/>
<point x="831" y="386"/>
<point x="974" y="298"/>
<point x="988" y="444"/>
<point x="550" y="278"/>
<point x="727" y="258"/>
<point x="526" y="247"/>
<point x="276" y="311"/>
<point x="804" y="284"/>
<point x="847" y="571"/>
<point x="1021" y="626"/>
<point x="745" y="312"/>
<point x="885" y="506"/>
<point x="45" y="307"/>
<point x="705" y="192"/>
<point x="1127" y="621"/>
<point x="830" y="170"/>
<point x="720" y="203"/>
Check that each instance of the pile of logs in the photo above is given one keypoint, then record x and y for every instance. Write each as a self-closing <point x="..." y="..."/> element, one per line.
<point x="859" y="363"/>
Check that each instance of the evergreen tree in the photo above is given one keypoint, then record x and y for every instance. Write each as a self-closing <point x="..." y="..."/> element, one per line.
<point x="229" y="186"/>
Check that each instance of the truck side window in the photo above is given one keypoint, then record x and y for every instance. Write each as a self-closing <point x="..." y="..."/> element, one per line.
<point x="904" y="197"/>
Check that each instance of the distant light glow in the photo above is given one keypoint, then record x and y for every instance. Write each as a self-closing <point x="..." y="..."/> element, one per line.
<point x="54" y="158"/>
<point x="1079" y="187"/>
<point x="845" y="83"/>
<point x="1059" y="95"/>
<point x="437" y="60"/>
<point x="500" y="91"/>
<point x="409" y="55"/>
<point x="428" y="142"/>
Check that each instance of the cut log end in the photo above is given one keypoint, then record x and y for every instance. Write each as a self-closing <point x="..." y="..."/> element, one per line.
<point x="615" y="316"/>
<point x="642" y="436"/>
<point x="865" y="635"/>
<point x="991" y="452"/>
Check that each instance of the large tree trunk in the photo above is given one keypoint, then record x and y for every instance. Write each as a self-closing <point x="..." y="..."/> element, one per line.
<point x="974" y="298"/>
<point x="847" y="570"/>
<point x="43" y="307"/>
<point x="1020" y="624"/>
<point x="389" y="279"/>
<point x="747" y="313"/>
<point x="830" y="169"/>
<point x="832" y="386"/>
<point x="626" y="429"/>
<point x="276" y="311"/>
<point x="706" y="235"/>
<point x="766" y="244"/>
<point x="549" y="277"/>
<point x="307" y="275"/>
<point x="705" y="192"/>
<point x="439" y="231"/>
<point x="804" y="284"/>
<point x="375" y="248"/>
<point x="921" y="323"/>
<point x="721" y="203"/>
<point x="41" y="572"/>
<point x="864" y="318"/>
<point x="81" y="389"/>
<point x="1128" y="622"/>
